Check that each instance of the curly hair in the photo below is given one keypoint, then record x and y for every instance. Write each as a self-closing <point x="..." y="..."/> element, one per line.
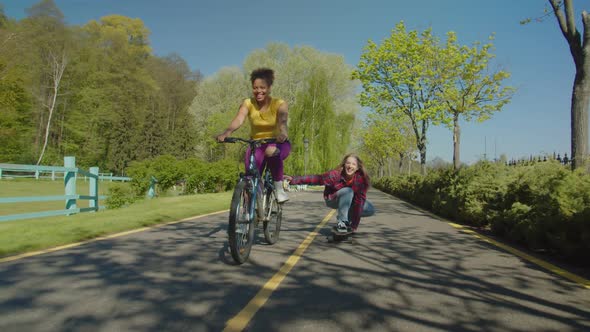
<point x="266" y="74"/>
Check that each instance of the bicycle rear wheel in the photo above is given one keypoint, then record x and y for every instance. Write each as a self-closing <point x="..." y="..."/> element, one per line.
<point x="241" y="223"/>
<point x="273" y="215"/>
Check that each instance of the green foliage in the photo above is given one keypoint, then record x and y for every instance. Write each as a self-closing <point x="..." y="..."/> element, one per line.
<point x="140" y="173"/>
<point x="120" y="195"/>
<point x="384" y="138"/>
<point x="116" y="102"/>
<point x="468" y="88"/>
<point x="202" y="177"/>
<point x="410" y="75"/>
<point x="15" y="119"/>
<point x="194" y="175"/>
<point x="165" y="169"/>
<point x="543" y="206"/>
<point x="313" y="118"/>
<point x="214" y="107"/>
<point x="400" y="78"/>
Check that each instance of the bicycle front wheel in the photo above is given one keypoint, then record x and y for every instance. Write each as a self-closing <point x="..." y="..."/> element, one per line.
<point x="273" y="215"/>
<point x="241" y="223"/>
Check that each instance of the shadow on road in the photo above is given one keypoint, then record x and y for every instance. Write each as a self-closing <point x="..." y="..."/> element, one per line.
<point x="404" y="271"/>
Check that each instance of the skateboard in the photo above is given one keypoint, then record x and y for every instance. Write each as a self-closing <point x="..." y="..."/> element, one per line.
<point x="339" y="236"/>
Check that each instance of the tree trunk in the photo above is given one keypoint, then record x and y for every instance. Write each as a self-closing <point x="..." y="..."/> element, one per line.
<point x="58" y="67"/>
<point x="579" y="119"/>
<point x="456" y="141"/>
<point x="422" y="151"/>
<point x="422" y="147"/>
<point x="579" y="45"/>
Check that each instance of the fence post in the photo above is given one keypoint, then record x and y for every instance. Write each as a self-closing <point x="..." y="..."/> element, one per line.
<point x="0" y="173"/>
<point x="152" y="189"/>
<point x="70" y="182"/>
<point x="93" y="191"/>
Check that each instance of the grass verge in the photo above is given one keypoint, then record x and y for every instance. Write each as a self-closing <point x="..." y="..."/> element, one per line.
<point x="21" y="236"/>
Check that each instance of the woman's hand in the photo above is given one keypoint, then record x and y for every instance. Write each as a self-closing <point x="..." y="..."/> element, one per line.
<point x="221" y="137"/>
<point x="282" y="137"/>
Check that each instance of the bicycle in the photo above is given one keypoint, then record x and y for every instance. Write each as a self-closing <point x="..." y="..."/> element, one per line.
<point x="254" y="199"/>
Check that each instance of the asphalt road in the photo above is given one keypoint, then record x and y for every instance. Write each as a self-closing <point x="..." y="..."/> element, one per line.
<point x="404" y="271"/>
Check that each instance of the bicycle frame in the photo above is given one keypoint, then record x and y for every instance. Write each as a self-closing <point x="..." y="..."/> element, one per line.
<point x="253" y="175"/>
<point x="252" y="193"/>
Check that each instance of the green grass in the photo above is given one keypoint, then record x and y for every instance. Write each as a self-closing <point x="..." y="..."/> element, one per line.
<point x="43" y="187"/>
<point x="22" y="236"/>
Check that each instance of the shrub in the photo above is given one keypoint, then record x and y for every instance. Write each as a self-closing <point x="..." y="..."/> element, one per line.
<point x="140" y="173"/>
<point x="119" y="195"/>
<point x="166" y="170"/>
<point x="542" y="205"/>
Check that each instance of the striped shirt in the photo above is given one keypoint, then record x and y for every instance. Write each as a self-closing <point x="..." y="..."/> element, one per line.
<point x="333" y="181"/>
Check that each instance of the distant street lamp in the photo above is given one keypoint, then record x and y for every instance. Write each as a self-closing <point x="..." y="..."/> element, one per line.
<point x="305" y="146"/>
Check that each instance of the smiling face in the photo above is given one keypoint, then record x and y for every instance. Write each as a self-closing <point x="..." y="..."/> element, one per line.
<point x="260" y="89"/>
<point x="351" y="165"/>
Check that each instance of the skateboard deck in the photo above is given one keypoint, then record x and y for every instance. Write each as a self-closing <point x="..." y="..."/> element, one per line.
<point x="339" y="236"/>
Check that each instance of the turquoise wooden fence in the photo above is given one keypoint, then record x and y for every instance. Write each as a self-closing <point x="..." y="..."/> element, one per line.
<point x="70" y="174"/>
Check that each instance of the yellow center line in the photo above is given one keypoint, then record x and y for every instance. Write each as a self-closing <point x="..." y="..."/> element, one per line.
<point x="71" y="245"/>
<point x="241" y="320"/>
<point x="548" y="266"/>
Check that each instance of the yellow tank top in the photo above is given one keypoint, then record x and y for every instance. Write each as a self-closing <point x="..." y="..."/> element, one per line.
<point x="263" y="124"/>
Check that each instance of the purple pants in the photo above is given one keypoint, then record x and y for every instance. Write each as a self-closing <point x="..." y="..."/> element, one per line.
<point x="274" y="163"/>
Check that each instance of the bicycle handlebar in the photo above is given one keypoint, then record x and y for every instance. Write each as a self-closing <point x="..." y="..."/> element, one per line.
<point x="249" y="141"/>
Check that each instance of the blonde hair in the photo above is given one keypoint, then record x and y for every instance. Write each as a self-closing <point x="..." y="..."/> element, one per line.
<point x="362" y="170"/>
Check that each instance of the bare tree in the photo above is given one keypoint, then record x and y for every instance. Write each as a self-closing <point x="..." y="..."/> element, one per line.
<point x="58" y="65"/>
<point x="580" y="49"/>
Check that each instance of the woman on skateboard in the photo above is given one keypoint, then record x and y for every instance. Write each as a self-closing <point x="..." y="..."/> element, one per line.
<point x="345" y="190"/>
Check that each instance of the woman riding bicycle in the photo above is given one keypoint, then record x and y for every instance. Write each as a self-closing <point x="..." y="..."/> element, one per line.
<point x="268" y="119"/>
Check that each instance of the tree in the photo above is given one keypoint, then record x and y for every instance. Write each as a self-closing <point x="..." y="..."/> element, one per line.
<point x="45" y="48"/>
<point x="467" y="88"/>
<point x="177" y="87"/>
<point x="216" y="103"/>
<point x="118" y="86"/>
<point x="579" y="45"/>
<point x="384" y="138"/>
<point x="16" y="119"/>
<point x="7" y="43"/>
<point x="401" y="77"/>
<point x="94" y="91"/>
<point x="58" y="63"/>
<point x="313" y="118"/>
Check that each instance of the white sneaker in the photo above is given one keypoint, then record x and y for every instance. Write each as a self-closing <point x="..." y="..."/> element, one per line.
<point x="280" y="192"/>
<point x="342" y="227"/>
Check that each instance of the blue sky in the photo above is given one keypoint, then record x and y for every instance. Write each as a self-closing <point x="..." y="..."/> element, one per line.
<point x="210" y="35"/>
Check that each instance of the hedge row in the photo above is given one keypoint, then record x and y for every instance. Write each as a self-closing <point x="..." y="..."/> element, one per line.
<point x="192" y="175"/>
<point x="544" y="206"/>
